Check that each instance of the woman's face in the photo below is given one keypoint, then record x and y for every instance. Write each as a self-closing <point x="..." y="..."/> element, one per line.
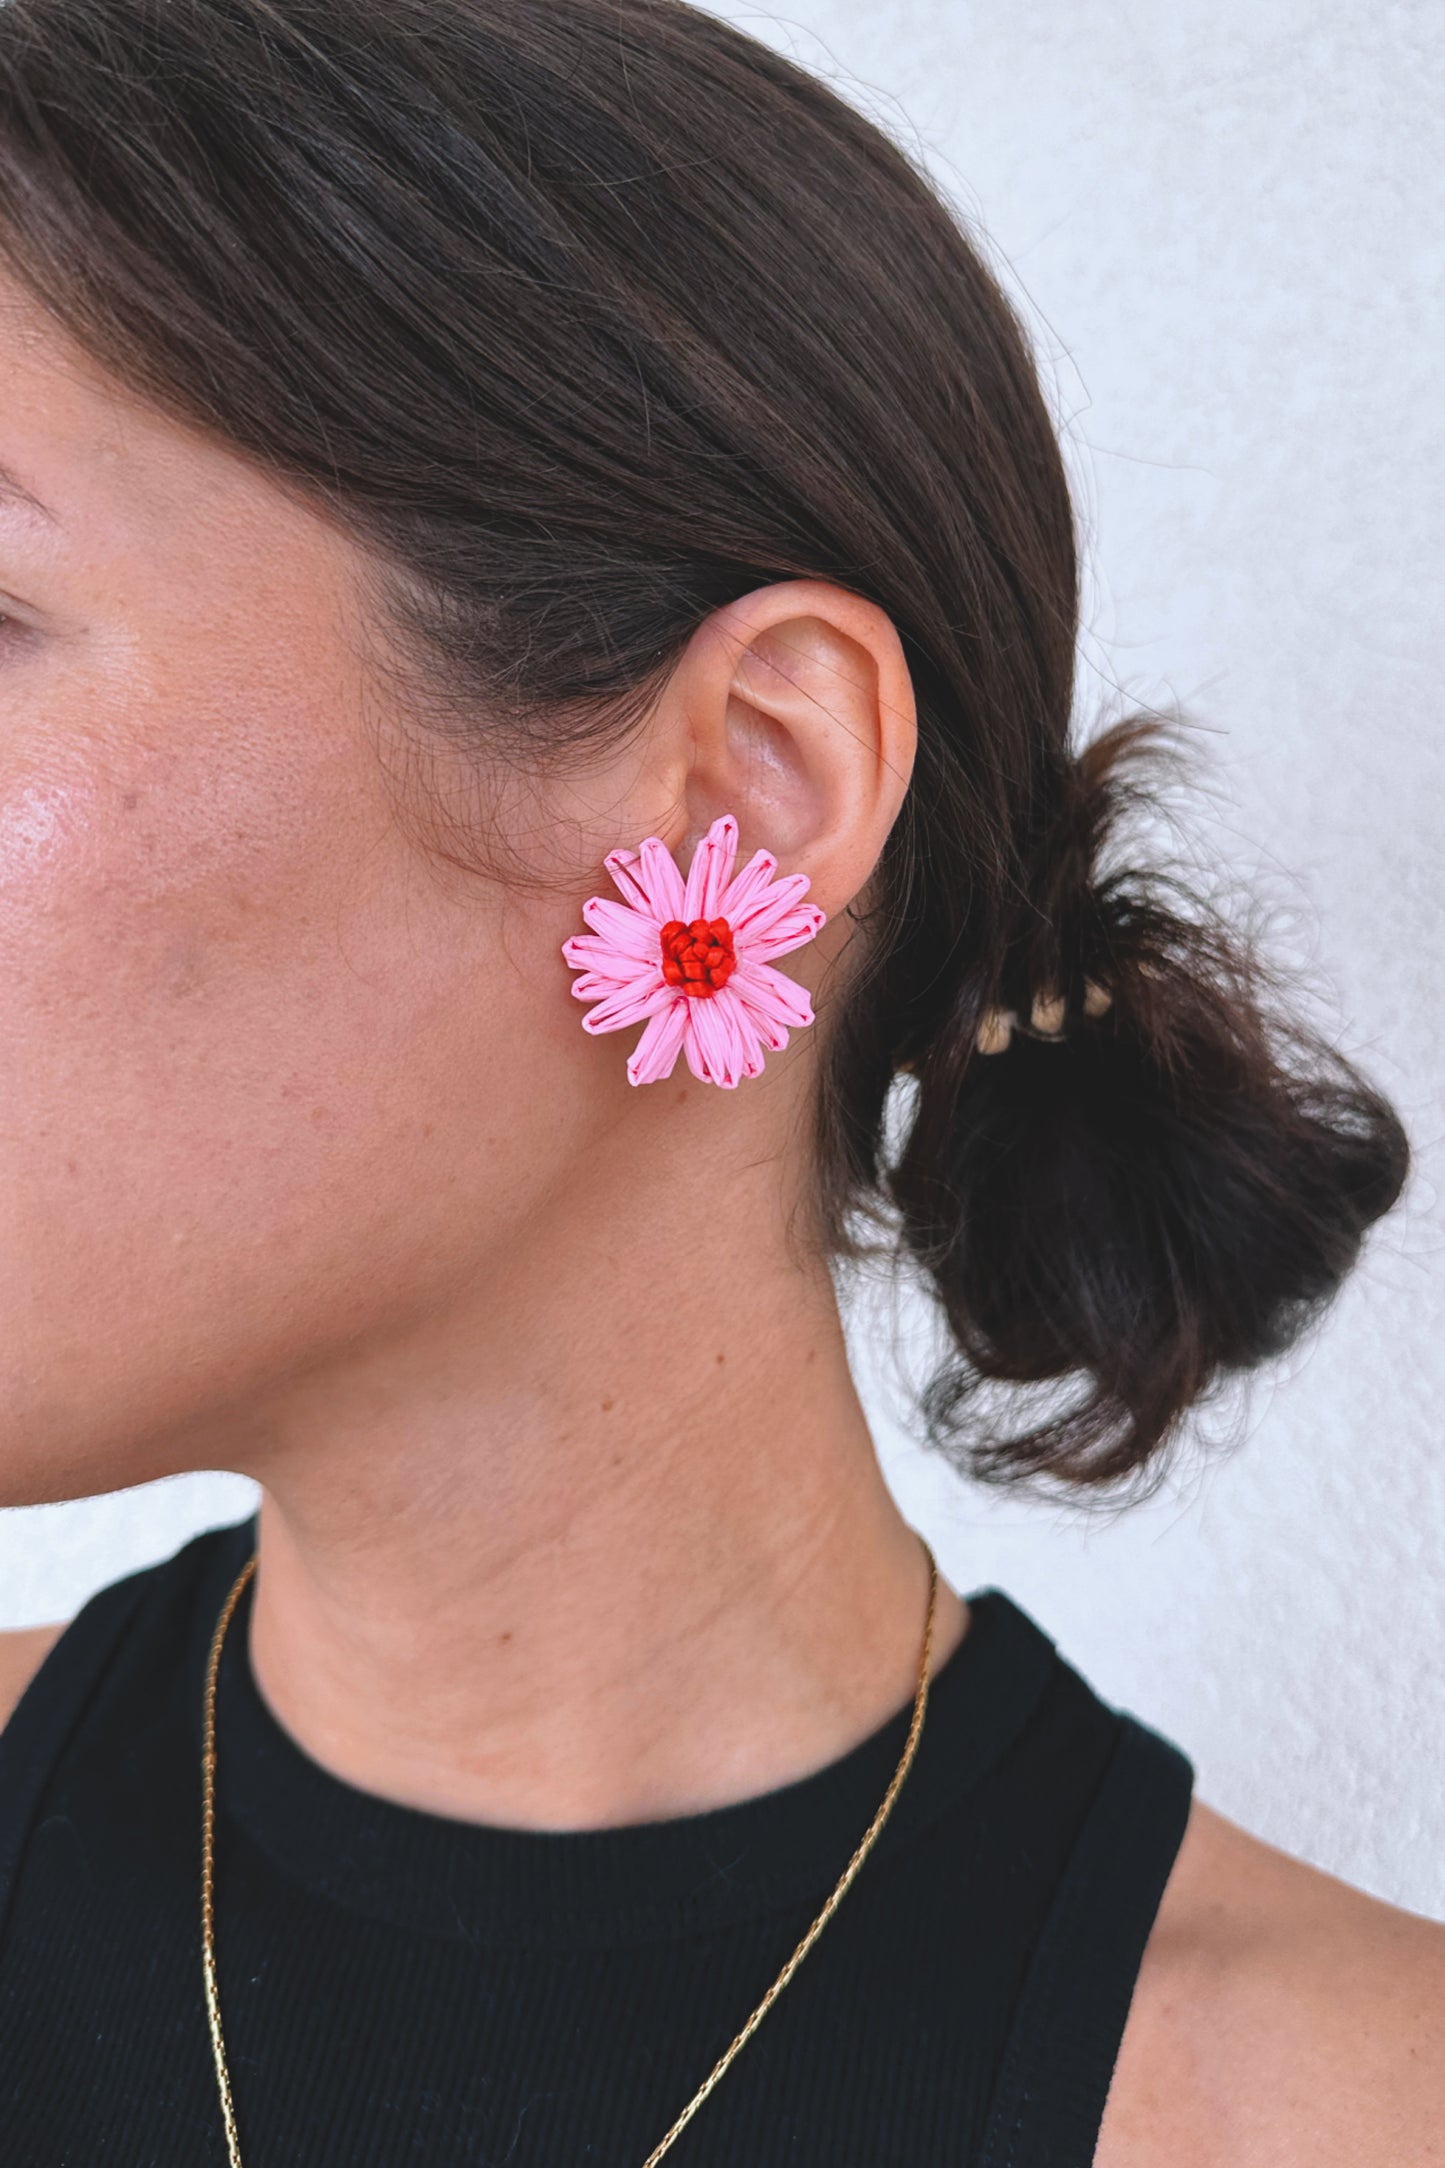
<point x="271" y="1083"/>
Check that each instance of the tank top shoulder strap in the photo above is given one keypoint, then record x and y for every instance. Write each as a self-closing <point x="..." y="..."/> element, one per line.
<point x="1064" y="2037"/>
<point x="65" y="1684"/>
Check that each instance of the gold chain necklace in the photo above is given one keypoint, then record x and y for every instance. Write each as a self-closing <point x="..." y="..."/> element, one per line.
<point x="208" y="1778"/>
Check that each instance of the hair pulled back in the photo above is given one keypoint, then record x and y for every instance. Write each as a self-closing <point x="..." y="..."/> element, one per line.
<point x="587" y="320"/>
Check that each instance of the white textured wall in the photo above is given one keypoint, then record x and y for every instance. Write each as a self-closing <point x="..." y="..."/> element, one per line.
<point x="1225" y="223"/>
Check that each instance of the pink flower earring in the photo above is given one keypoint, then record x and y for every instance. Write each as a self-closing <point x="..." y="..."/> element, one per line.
<point x="693" y="959"/>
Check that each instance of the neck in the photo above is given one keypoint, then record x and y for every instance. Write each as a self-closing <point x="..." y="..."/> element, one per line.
<point x="606" y="1542"/>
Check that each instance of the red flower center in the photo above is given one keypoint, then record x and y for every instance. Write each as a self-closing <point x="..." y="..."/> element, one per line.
<point x="698" y="957"/>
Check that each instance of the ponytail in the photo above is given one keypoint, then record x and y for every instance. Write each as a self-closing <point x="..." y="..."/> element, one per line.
<point x="1163" y="1185"/>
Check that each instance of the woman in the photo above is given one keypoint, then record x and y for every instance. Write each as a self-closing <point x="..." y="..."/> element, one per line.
<point x="518" y="518"/>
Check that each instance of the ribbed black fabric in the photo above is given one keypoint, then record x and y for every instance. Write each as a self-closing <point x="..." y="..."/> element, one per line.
<point x="400" y="1987"/>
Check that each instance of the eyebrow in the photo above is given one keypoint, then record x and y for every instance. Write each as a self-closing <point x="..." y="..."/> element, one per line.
<point x="13" y="491"/>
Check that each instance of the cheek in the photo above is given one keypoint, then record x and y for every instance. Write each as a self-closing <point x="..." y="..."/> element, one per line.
<point x="255" y="1078"/>
<point x="144" y="907"/>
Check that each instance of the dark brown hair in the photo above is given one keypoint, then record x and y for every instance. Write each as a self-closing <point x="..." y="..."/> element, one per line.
<point x="588" y="319"/>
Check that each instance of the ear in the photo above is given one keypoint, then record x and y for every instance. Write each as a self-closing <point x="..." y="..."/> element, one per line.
<point x="793" y="708"/>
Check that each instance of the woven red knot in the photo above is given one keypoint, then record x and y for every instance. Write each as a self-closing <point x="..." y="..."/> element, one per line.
<point x="698" y="957"/>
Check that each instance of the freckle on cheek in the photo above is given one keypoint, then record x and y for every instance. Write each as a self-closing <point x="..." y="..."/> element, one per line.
<point x="184" y="968"/>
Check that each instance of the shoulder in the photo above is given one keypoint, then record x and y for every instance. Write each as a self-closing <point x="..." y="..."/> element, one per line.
<point x="1281" y="2019"/>
<point x="22" y="1652"/>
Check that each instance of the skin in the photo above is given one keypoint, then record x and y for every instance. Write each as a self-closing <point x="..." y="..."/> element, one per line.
<point x="570" y="1514"/>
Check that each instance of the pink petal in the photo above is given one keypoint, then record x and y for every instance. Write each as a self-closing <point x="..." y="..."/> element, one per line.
<point x="624" y="869"/>
<point x="692" y="1045"/>
<point x="629" y="1004"/>
<point x="599" y="985"/>
<point x="741" y="1036"/>
<point x="593" y="951"/>
<point x="722" y="1051"/>
<point x="770" y="1034"/>
<point x="752" y="1045"/>
<point x="749" y="884"/>
<point x="626" y="930"/>
<point x="711" y="869"/>
<point x="771" y="997"/>
<point x="789" y="932"/>
<point x="764" y="911"/>
<point x="655" y="1054"/>
<point x="659" y="875"/>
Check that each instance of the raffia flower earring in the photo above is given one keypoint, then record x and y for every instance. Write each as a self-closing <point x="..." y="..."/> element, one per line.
<point x="693" y="959"/>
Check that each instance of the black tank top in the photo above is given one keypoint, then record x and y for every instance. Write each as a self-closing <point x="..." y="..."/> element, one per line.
<point x="398" y="1987"/>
